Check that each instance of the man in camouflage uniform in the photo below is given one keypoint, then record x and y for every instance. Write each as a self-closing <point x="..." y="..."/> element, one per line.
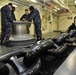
<point x="6" y="22"/>
<point x="24" y="17"/>
<point x="35" y="16"/>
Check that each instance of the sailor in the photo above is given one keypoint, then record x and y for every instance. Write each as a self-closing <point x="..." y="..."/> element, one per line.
<point x="35" y="16"/>
<point x="24" y="17"/>
<point x="6" y="22"/>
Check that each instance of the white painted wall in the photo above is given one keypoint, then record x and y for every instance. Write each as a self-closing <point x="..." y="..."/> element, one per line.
<point x="54" y="20"/>
<point x="64" y="23"/>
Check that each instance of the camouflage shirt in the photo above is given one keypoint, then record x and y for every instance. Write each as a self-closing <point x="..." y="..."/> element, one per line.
<point x="6" y="15"/>
<point x="35" y="16"/>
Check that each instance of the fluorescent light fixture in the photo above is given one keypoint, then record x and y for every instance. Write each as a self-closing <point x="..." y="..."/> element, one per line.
<point x="58" y="8"/>
<point x="14" y="5"/>
<point x="34" y="1"/>
<point x="55" y="10"/>
<point x="75" y="1"/>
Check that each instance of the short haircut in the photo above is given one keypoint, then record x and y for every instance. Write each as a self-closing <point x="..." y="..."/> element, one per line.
<point x="26" y="9"/>
<point x="10" y="4"/>
<point x="31" y="8"/>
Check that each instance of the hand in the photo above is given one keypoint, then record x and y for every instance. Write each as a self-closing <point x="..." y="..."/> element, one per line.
<point x="25" y="20"/>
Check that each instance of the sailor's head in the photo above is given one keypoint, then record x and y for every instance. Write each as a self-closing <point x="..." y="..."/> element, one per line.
<point x="26" y="11"/>
<point x="10" y="5"/>
<point x="31" y="8"/>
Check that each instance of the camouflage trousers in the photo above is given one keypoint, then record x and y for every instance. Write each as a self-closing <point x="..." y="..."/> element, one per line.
<point x="5" y="31"/>
<point x="38" y="30"/>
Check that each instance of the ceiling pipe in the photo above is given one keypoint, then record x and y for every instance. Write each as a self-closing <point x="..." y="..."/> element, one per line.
<point x="21" y="2"/>
<point x="61" y="4"/>
<point x="42" y="4"/>
<point x="65" y="6"/>
<point x="58" y="3"/>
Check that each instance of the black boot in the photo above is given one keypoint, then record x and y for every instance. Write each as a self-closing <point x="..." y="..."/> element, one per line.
<point x="8" y="44"/>
<point x="2" y="40"/>
<point x="38" y="39"/>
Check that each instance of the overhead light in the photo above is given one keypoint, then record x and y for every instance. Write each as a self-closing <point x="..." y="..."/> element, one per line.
<point x="34" y="1"/>
<point x="55" y="10"/>
<point x="14" y="5"/>
<point x="58" y="8"/>
<point x="75" y="1"/>
<point x="64" y="10"/>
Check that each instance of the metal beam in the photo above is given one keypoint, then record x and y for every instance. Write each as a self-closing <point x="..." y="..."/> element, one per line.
<point x="20" y="2"/>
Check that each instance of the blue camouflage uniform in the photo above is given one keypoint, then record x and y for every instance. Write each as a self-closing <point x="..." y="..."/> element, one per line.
<point x="6" y="22"/>
<point x="35" y="16"/>
<point x="24" y="16"/>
